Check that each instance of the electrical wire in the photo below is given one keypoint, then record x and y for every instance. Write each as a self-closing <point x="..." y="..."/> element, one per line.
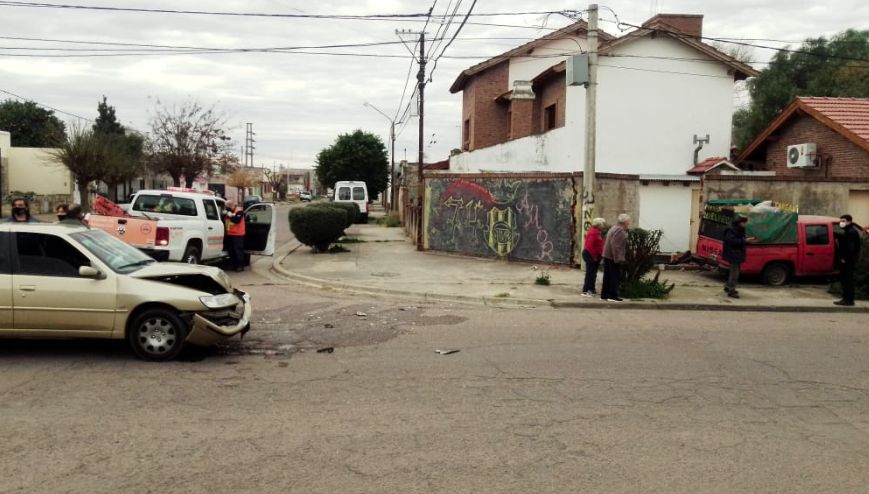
<point x="450" y="42"/>
<point x="22" y="98"/>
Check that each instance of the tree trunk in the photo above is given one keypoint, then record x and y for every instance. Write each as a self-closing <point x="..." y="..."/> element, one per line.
<point x="189" y="179"/>
<point x="176" y="180"/>
<point x="85" y="194"/>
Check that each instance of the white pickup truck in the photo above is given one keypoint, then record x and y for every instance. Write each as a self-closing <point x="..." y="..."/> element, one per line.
<point x="187" y="226"/>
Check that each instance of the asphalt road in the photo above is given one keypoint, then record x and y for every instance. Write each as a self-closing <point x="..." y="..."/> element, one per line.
<point x="535" y="400"/>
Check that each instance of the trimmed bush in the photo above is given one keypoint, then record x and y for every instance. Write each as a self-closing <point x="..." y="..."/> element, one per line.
<point x="640" y="253"/>
<point x="318" y="227"/>
<point x="353" y="213"/>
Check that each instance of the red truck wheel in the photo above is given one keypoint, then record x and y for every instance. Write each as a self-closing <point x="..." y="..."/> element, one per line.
<point x="776" y="273"/>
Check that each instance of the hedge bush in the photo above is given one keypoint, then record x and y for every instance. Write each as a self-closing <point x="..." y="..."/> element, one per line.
<point x="318" y="227"/>
<point x="353" y="213"/>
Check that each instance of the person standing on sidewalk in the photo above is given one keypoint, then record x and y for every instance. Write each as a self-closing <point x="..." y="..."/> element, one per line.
<point x="234" y="228"/>
<point x="20" y="212"/>
<point x="591" y="255"/>
<point x="735" y="243"/>
<point x="849" y="253"/>
<point x="614" y="249"/>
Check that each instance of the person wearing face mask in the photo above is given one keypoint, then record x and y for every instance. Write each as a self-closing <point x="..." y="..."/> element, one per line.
<point x="60" y="211"/>
<point x="21" y="212"/>
<point x="849" y="253"/>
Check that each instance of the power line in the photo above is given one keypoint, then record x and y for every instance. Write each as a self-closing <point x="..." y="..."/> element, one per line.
<point x="450" y="42"/>
<point x="22" y="98"/>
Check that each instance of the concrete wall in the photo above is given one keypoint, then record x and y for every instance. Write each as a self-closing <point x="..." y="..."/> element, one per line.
<point x="527" y="218"/>
<point x="35" y="170"/>
<point x="828" y="197"/>
<point x="547" y="152"/>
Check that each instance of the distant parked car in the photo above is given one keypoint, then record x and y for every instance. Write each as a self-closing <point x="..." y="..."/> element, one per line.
<point x="251" y="200"/>
<point x="306" y="196"/>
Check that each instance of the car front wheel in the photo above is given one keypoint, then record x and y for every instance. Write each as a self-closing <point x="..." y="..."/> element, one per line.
<point x="157" y="334"/>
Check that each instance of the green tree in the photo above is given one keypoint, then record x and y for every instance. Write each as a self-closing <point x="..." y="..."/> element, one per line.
<point x="129" y="162"/>
<point x="30" y="124"/>
<point x="838" y="67"/>
<point x="357" y="156"/>
<point x="89" y="155"/>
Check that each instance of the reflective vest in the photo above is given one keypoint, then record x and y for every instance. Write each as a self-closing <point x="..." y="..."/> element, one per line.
<point x="235" y="229"/>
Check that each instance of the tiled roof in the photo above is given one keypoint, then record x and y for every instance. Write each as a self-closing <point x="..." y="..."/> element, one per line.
<point x="847" y="116"/>
<point x="710" y="163"/>
<point x="851" y="113"/>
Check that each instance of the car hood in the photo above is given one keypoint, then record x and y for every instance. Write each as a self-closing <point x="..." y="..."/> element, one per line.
<point x="164" y="270"/>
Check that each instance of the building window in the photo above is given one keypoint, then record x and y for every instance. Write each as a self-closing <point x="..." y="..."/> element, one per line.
<point x="466" y="135"/>
<point x="549" y="117"/>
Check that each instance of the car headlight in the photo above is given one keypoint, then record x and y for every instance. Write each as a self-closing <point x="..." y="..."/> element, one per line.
<point x="221" y="301"/>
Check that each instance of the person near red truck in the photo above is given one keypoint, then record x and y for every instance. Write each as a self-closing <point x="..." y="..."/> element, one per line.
<point x="849" y="253"/>
<point x="614" y="249"/>
<point x="233" y="222"/>
<point x="591" y="255"/>
<point x="733" y="252"/>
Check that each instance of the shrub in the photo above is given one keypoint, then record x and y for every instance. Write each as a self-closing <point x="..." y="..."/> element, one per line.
<point x="646" y="288"/>
<point x="543" y="279"/>
<point x="318" y="227"/>
<point x="352" y="209"/>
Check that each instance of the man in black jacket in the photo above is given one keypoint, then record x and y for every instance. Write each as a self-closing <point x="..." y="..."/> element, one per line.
<point x="849" y="253"/>
<point x="735" y="243"/>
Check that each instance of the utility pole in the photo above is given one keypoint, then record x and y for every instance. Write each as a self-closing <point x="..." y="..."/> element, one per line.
<point x="590" y="125"/>
<point x="248" y="145"/>
<point x="420" y="191"/>
<point x="392" y="154"/>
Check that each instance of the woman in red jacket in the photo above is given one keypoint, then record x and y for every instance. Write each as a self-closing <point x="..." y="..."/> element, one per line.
<point x="591" y="255"/>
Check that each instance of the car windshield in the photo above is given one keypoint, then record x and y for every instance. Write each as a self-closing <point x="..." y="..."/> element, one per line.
<point x="119" y="256"/>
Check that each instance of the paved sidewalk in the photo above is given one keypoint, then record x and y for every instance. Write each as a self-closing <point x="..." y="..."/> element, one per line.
<point x="386" y="263"/>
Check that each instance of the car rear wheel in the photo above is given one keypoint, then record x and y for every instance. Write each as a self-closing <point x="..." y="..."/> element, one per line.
<point x="191" y="255"/>
<point x="776" y="274"/>
<point x="157" y="334"/>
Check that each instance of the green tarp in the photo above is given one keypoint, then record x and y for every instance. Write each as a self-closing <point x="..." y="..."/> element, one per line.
<point x="767" y="225"/>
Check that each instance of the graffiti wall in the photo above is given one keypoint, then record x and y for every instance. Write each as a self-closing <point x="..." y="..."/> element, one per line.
<point x="528" y="218"/>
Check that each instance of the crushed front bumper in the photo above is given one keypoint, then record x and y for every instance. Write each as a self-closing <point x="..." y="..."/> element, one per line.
<point x="205" y="332"/>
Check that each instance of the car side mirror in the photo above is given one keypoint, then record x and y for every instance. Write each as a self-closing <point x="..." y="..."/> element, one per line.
<point x="90" y="272"/>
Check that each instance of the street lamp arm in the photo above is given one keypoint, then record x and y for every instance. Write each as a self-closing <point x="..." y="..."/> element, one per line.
<point x="369" y="105"/>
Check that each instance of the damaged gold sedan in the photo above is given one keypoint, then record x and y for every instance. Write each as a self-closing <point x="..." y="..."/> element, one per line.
<point x="67" y="281"/>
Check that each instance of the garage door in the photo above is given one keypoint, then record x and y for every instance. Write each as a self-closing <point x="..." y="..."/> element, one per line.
<point x="858" y="206"/>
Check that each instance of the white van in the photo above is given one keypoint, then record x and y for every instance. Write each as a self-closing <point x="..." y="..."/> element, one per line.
<point x="353" y="192"/>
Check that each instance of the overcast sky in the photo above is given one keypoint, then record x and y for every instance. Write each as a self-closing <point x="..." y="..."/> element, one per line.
<point x="299" y="103"/>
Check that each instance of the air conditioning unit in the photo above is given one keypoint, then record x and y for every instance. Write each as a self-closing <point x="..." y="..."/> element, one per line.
<point x="803" y="156"/>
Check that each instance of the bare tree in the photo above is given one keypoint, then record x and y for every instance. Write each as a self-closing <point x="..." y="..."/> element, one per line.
<point x="187" y="141"/>
<point x="89" y="156"/>
<point x="242" y="179"/>
<point x="740" y="52"/>
<point x="276" y="179"/>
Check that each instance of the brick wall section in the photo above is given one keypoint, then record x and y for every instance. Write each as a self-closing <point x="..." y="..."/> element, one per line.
<point x="552" y="91"/>
<point x="521" y="111"/>
<point x="489" y="121"/>
<point x="839" y="157"/>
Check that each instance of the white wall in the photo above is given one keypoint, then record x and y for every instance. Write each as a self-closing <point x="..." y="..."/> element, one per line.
<point x="650" y="108"/>
<point x="548" y="152"/>
<point x="667" y="208"/>
<point x="543" y="57"/>
<point x="34" y="170"/>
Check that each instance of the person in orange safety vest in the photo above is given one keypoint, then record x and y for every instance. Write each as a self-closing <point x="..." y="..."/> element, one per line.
<point x="234" y="228"/>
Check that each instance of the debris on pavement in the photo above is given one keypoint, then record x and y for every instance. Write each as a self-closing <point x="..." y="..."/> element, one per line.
<point x="445" y="352"/>
<point x="328" y="349"/>
<point x="361" y="314"/>
<point x="329" y="326"/>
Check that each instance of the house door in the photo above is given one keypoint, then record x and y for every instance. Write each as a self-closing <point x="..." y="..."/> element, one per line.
<point x="695" y="219"/>
<point x="858" y="206"/>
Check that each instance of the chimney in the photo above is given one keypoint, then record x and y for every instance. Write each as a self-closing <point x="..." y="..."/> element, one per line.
<point x="521" y="110"/>
<point x="690" y="24"/>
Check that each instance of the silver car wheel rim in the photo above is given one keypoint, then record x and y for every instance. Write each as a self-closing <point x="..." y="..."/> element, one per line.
<point x="157" y="336"/>
<point x="191" y="260"/>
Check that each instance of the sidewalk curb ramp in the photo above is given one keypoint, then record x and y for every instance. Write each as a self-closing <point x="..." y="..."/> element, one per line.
<point x="489" y="301"/>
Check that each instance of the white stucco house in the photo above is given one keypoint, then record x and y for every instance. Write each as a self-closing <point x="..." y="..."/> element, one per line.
<point x="659" y="88"/>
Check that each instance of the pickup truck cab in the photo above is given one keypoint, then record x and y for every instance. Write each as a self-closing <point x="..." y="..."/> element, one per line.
<point x="814" y="253"/>
<point x="187" y="226"/>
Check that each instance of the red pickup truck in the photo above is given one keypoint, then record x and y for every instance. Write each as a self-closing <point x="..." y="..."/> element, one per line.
<point x="814" y="254"/>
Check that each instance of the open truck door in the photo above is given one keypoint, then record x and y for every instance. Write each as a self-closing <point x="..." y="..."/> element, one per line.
<point x="260" y="229"/>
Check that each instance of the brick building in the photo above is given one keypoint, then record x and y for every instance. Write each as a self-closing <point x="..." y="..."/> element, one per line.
<point x="833" y="136"/>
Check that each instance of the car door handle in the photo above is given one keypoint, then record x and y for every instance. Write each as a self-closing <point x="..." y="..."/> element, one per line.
<point x="27" y="288"/>
<point x="211" y="228"/>
<point x="810" y="253"/>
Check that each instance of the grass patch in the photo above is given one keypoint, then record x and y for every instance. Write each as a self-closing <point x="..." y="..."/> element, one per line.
<point x="502" y="295"/>
<point x="338" y="249"/>
<point x="391" y="220"/>
<point x="543" y="279"/>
